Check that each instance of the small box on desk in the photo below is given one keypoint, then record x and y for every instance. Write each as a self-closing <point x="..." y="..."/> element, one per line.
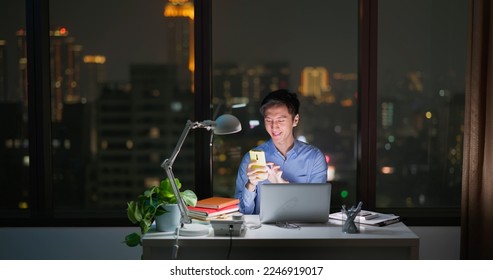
<point x="228" y="227"/>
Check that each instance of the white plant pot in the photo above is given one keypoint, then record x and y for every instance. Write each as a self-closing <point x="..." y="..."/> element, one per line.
<point x="170" y="220"/>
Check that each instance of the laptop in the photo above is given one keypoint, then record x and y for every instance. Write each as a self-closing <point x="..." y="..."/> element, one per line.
<point x="295" y="202"/>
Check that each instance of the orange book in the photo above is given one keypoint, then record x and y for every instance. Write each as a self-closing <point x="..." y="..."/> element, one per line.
<point x="217" y="202"/>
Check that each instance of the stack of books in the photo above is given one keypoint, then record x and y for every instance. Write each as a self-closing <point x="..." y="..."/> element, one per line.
<point x="213" y="207"/>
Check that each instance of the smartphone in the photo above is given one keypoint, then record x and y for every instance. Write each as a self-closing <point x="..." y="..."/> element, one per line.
<point x="259" y="156"/>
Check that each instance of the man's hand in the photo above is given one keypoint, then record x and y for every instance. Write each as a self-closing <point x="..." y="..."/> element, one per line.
<point x="275" y="173"/>
<point x="255" y="173"/>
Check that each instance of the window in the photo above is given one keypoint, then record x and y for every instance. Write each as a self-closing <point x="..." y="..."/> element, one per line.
<point x="14" y="143"/>
<point x="122" y="84"/>
<point x="419" y="102"/>
<point x="119" y="90"/>
<point x="421" y="85"/>
<point x="310" y="49"/>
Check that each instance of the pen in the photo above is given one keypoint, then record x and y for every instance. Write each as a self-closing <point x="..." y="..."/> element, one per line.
<point x="370" y="216"/>
<point x="389" y="222"/>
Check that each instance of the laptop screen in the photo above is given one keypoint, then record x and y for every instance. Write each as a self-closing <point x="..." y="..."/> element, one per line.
<point x="295" y="202"/>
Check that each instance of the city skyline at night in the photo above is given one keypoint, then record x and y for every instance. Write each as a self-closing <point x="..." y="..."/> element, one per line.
<point x="126" y="110"/>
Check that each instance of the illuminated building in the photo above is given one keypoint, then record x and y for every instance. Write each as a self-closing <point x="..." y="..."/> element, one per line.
<point x="315" y="82"/>
<point x="65" y="63"/>
<point x="132" y="146"/>
<point x="65" y="58"/>
<point x="180" y="32"/>
<point x="94" y="69"/>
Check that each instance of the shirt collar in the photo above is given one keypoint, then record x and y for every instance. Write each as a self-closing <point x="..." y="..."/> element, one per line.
<point x="294" y="151"/>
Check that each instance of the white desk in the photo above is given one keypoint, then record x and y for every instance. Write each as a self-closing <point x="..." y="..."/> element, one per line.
<point x="311" y="241"/>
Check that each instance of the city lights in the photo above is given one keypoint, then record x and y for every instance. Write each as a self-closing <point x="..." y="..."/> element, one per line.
<point x="253" y="123"/>
<point x="117" y="126"/>
<point x="387" y="170"/>
<point x="97" y="59"/>
<point x="62" y="31"/>
<point x="25" y="161"/>
<point x="179" y="8"/>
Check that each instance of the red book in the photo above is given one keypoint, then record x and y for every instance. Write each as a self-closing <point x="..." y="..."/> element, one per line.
<point x="217" y="202"/>
<point x="200" y="212"/>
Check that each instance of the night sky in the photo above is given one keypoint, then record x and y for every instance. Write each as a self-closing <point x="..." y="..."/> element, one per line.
<point x="134" y="31"/>
<point x="304" y="33"/>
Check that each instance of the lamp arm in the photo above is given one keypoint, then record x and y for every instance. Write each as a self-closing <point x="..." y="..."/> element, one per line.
<point x="168" y="168"/>
<point x="168" y="165"/>
<point x="189" y="125"/>
<point x="184" y="218"/>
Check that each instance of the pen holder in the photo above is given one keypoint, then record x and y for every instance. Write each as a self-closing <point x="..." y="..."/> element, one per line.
<point x="350" y="225"/>
<point x="350" y="219"/>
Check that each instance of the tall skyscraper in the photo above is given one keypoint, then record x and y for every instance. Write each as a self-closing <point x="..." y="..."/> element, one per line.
<point x="138" y="127"/>
<point x="93" y="79"/>
<point x="180" y="43"/>
<point x="65" y="63"/>
<point x="65" y="60"/>
<point x="94" y="76"/>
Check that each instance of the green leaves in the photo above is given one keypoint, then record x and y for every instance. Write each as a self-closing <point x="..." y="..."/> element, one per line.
<point x="148" y="205"/>
<point x="133" y="240"/>
<point x="189" y="197"/>
<point x="133" y="214"/>
<point x="165" y="191"/>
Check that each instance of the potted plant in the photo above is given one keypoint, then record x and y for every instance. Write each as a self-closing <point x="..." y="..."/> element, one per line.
<point x="144" y="210"/>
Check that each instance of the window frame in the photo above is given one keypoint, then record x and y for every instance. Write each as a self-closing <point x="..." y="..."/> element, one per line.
<point x="39" y="106"/>
<point x="41" y="212"/>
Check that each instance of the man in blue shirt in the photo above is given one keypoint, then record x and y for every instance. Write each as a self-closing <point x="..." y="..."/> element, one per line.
<point x="288" y="159"/>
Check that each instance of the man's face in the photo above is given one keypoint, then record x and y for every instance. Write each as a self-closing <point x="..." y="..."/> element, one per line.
<point x="279" y="124"/>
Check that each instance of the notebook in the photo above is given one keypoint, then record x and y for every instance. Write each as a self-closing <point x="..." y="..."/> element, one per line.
<point x="295" y="202"/>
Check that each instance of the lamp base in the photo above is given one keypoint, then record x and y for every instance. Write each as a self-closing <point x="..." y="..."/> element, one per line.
<point x="194" y="230"/>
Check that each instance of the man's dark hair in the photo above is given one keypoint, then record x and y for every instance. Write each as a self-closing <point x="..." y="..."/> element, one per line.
<point x="281" y="97"/>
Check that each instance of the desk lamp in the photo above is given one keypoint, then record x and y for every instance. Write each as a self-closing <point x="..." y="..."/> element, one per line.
<point x="224" y="124"/>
